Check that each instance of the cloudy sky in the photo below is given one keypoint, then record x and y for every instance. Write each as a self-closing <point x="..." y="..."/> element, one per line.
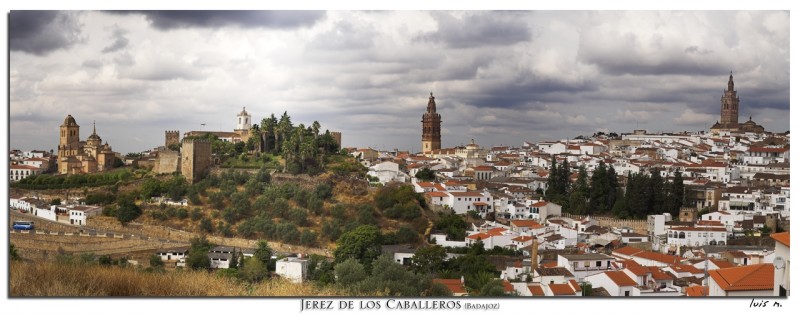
<point x="498" y="77"/>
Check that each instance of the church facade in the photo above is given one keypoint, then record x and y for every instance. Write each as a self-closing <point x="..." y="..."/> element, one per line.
<point x="729" y="114"/>
<point x="76" y="156"/>
<point x="431" y="128"/>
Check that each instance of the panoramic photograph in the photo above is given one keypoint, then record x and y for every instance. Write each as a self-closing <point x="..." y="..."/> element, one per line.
<point x="400" y="154"/>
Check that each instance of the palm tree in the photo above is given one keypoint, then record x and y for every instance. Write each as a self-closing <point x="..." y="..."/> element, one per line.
<point x="315" y="127"/>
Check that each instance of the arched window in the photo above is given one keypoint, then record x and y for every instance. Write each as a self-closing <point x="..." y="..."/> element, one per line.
<point x="681" y="235"/>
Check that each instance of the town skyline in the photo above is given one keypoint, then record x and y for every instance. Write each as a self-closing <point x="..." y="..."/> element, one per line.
<point x="517" y="76"/>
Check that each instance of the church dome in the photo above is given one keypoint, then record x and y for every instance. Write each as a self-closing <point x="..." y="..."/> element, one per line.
<point x="69" y="120"/>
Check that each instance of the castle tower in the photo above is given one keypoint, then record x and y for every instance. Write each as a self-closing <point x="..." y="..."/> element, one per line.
<point x="431" y="127"/>
<point x="337" y="137"/>
<point x="69" y="140"/>
<point x="171" y="138"/>
<point x="195" y="159"/>
<point x="729" y="107"/>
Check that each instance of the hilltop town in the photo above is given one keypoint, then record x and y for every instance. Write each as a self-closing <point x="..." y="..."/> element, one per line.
<point x="636" y="213"/>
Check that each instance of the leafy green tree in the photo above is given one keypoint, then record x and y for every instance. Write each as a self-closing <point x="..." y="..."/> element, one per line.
<point x="253" y="270"/>
<point x="393" y="279"/>
<point x="425" y="174"/>
<point x="127" y="210"/>
<point x="599" y="189"/>
<point x="263" y="253"/>
<point x="362" y="244"/>
<point x="198" y="253"/>
<point x="578" y="199"/>
<point x="676" y="193"/>
<point x="234" y="260"/>
<point x="349" y="272"/>
<point x="429" y="259"/>
<point x="493" y="288"/>
<point x="156" y="262"/>
<point x="453" y="225"/>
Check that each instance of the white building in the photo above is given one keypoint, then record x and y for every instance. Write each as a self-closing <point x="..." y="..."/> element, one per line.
<point x="616" y="283"/>
<point x="19" y="172"/>
<point x="294" y="269"/>
<point x="697" y="236"/>
<point x="781" y="264"/>
<point x="387" y="171"/>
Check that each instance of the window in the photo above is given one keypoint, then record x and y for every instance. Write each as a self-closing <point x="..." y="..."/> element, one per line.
<point x="627" y="293"/>
<point x="598" y="263"/>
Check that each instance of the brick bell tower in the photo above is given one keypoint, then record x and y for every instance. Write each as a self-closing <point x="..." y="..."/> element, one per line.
<point x="431" y="127"/>
<point x="729" y="103"/>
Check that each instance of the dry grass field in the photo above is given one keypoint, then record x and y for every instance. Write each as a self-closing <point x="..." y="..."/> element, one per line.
<point x="53" y="279"/>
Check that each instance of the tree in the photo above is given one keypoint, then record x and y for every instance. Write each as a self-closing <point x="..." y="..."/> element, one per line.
<point x="198" y="253"/>
<point x="428" y="259"/>
<point x="676" y="194"/>
<point x="263" y="253"/>
<point x="362" y="244"/>
<point x="56" y="201"/>
<point x="349" y="272"/>
<point x="253" y="270"/>
<point x="127" y="210"/>
<point x="156" y="262"/>
<point x="578" y="199"/>
<point x="492" y="288"/>
<point x="599" y="190"/>
<point x="234" y="260"/>
<point x="426" y="174"/>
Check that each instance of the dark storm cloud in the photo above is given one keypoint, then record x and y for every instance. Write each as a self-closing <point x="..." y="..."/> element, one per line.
<point x="167" y="20"/>
<point x="522" y="92"/>
<point x="42" y="32"/>
<point x="479" y="29"/>
<point x="120" y="41"/>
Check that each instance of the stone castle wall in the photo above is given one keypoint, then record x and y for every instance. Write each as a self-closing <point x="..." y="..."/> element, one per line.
<point x="195" y="159"/>
<point x="167" y="162"/>
<point x="638" y="225"/>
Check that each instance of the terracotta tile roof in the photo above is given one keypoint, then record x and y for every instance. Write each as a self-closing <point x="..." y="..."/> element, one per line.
<point x="620" y="278"/>
<point x="426" y="184"/>
<point x="497" y="231"/>
<point x="482" y="236"/>
<point x="659" y="257"/>
<point x="722" y="264"/>
<point x="539" y="204"/>
<point x="484" y="168"/>
<point x="657" y="274"/>
<point x="467" y="194"/>
<point x="480" y="203"/>
<point x="709" y="223"/>
<point x="635" y="268"/>
<point x="553" y="264"/>
<point x="522" y="238"/>
<point x="627" y="250"/>
<point x="526" y="223"/>
<point x="575" y="285"/>
<point x="561" y="289"/>
<point x="507" y="287"/>
<point x="781" y="238"/>
<point x="454" y="285"/>
<point x="437" y="194"/>
<point x="686" y="268"/>
<point x="439" y="187"/>
<point x="767" y="150"/>
<point x="697" y="290"/>
<point x="536" y="290"/>
<point x="745" y="278"/>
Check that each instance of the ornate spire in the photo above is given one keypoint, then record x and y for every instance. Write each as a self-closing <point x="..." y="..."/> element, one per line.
<point x="431" y="104"/>
<point x="94" y="127"/>
<point x="730" y="82"/>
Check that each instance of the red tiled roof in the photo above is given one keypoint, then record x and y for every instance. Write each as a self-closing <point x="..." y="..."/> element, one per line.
<point x="574" y="285"/>
<point x="745" y="278"/>
<point x="522" y="238"/>
<point x="426" y="184"/>
<point x="781" y="238"/>
<point x="767" y="150"/>
<point x="482" y="236"/>
<point x="480" y="204"/>
<point x="526" y="223"/>
<point x="722" y="264"/>
<point x="539" y="204"/>
<point x="467" y="194"/>
<point x="437" y="194"/>
<point x="657" y="274"/>
<point x="561" y="289"/>
<point x="483" y="168"/>
<point x="685" y="268"/>
<point x="620" y="278"/>
<point x="697" y="290"/>
<point x="628" y="251"/>
<point x="454" y="285"/>
<point x="507" y="287"/>
<point x="536" y="290"/>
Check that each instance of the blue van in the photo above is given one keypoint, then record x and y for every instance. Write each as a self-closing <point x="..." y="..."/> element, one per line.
<point x="23" y="225"/>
